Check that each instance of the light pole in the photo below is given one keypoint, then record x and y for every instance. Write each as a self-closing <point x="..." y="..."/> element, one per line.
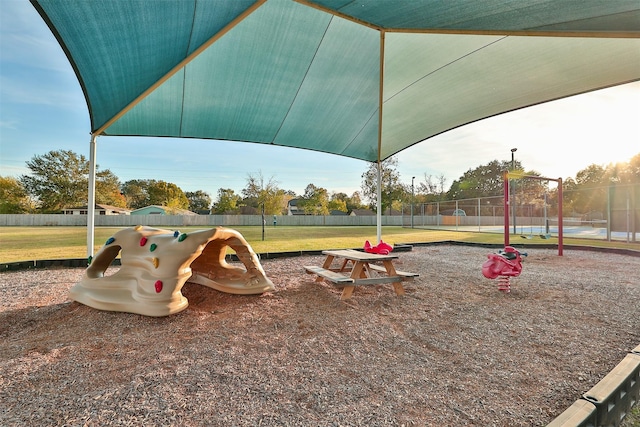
<point x="513" y="189"/>
<point x="412" y="178"/>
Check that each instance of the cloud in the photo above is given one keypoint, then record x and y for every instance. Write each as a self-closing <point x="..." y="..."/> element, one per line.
<point x="27" y="41"/>
<point x="8" y="124"/>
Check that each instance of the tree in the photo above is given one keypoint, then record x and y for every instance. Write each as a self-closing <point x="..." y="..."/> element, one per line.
<point x="13" y="197"/>
<point x="355" y="202"/>
<point x="623" y="172"/>
<point x="432" y="189"/>
<point x="483" y="181"/>
<point x="108" y="190"/>
<point x="350" y="203"/>
<point x="167" y="194"/>
<point x="135" y="193"/>
<point x="337" y="205"/>
<point x="591" y="189"/>
<point x="391" y="188"/>
<point x="59" y="179"/>
<point x="198" y="200"/>
<point x="488" y="181"/>
<point x="227" y="202"/>
<point x="633" y="170"/>
<point x="144" y="192"/>
<point x="260" y="193"/>
<point x="315" y="201"/>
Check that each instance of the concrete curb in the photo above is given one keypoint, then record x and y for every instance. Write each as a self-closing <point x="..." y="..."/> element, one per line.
<point x="609" y="401"/>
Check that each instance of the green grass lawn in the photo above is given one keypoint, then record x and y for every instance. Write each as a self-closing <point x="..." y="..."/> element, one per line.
<point x="40" y="243"/>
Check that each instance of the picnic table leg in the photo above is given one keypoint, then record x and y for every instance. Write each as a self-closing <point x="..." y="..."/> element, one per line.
<point x="391" y="271"/>
<point x="346" y="292"/>
<point x="327" y="262"/>
<point x="326" y="265"/>
<point x="357" y="272"/>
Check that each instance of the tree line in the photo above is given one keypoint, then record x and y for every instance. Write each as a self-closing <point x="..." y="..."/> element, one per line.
<point x="58" y="180"/>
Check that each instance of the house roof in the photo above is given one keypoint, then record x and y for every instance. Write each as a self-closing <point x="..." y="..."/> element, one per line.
<point x="101" y="207"/>
<point x="363" y="212"/>
<point x="165" y="209"/>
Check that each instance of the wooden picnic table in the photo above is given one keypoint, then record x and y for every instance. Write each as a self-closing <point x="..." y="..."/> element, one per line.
<point x="360" y="268"/>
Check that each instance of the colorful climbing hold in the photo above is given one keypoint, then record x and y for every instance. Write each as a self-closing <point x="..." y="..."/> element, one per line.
<point x="143" y="241"/>
<point x="137" y="227"/>
<point x="153" y="247"/>
<point x="89" y="260"/>
<point x="155" y="262"/>
<point x="182" y="237"/>
<point x="158" y="286"/>
<point x="176" y="233"/>
<point x="110" y="240"/>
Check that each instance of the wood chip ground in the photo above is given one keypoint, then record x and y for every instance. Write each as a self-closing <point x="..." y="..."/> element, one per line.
<point x="453" y="351"/>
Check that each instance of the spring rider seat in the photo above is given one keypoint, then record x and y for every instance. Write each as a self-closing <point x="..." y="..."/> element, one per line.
<point x="503" y="265"/>
<point x="381" y="248"/>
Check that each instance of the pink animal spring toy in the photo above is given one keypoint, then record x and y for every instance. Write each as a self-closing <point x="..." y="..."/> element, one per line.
<point x="381" y="248"/>
<point x="503" y="265"/>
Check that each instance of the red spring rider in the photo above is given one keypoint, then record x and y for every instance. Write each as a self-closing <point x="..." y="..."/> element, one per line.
<point x="504" y="265"/>
<point x="381" y="248"/>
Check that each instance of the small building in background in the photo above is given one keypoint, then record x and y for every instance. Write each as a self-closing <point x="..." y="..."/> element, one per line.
<point x="362" y="212"/>
<point x="293" y="209"/>
<point x="161" y="210"/>
<point x="100" y="210"/>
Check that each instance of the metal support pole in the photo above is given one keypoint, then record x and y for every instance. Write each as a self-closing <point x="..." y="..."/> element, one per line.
<point x="628" y="217"/>
<point x="513" y="184"/>
<point x="608" y="213"/>
<point x="560" y="219"/>
<point x="506" y="209"/>
<point x="91" y="202"/>
<point x="264" y="221"/>
<point x="412" y="195"/>
<point x="379" y="210"/>
<point x="546" y="221"/>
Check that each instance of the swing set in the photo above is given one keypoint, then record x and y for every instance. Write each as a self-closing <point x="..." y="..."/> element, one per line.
<point x="518" y="175"/>
<point x="546" y="234"/>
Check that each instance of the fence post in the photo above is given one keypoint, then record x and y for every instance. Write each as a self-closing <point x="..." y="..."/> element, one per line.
<point x="608" y="213"/>
<point x="628" y="217"/>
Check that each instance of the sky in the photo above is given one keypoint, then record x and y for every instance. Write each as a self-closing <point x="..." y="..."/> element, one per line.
<point x="42" y="108"/>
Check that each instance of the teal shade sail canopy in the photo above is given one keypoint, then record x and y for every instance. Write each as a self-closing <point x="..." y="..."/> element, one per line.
<point x="364" y="79"/>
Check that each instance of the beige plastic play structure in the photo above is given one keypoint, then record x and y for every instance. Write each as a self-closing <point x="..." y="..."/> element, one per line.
<point x="156" y="263"/>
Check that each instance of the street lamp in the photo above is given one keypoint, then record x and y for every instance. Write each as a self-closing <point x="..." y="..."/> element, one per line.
<point x="412" y="178"/>
<point x="513" y="189"/>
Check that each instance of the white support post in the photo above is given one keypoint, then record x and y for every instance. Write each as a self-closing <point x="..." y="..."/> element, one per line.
<point x="91" y="203"/>
<point x="379" y="197"/>
<point x="380" y="105"/>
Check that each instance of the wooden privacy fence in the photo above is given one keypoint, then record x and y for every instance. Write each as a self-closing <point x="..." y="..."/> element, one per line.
<point x="59" y="220"/>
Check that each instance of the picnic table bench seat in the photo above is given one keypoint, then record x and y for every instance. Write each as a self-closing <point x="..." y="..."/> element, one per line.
<point x="332" y="276"/>
<point x="398" y="272"/>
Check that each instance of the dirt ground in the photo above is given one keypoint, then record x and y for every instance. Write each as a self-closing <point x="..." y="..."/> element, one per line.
<point x="453" y="351"/>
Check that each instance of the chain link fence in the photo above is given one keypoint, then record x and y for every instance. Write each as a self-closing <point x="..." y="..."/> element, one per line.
<point x="606" y="213"/>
